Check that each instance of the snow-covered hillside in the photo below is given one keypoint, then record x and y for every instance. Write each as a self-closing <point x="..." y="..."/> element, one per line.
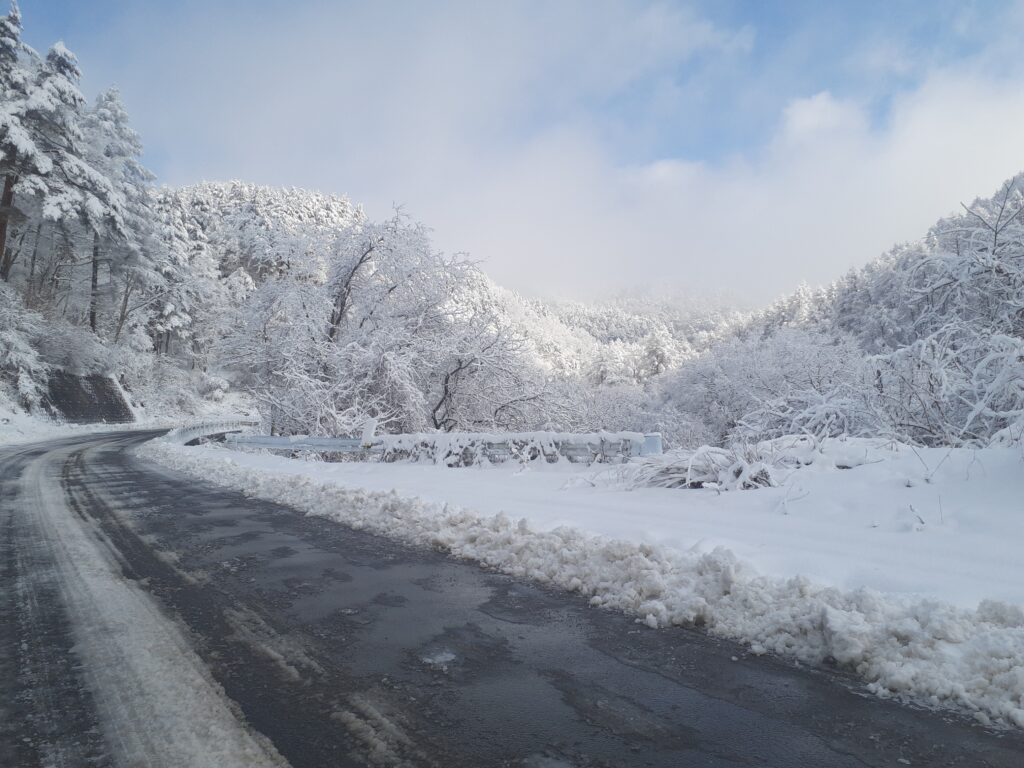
<point x="325" y="318"/>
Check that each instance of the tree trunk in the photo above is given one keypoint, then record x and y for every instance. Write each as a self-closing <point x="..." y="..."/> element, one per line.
<point x="344" y="290"/>
<point x="30" y="286"/>
<point x="123" y="316"/>
<point x="6" y="201"/>
<point x="95" y="284"/>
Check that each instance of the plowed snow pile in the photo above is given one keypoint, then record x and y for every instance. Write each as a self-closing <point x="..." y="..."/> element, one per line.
<point x="901" y="564"/>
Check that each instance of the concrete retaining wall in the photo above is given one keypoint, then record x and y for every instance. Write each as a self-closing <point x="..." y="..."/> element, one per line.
<point x="86" y="399"/>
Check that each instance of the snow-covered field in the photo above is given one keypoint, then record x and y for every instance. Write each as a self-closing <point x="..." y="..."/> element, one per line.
<point x="901" y="564"/>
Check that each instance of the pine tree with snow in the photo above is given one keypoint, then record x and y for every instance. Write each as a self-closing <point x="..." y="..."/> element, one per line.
<point x="23" y="162"/>
<point x="77" y="192"/>
<point x="113" y="149"/>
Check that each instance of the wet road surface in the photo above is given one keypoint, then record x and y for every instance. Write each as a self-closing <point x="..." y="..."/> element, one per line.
<point x="340" y="648"/>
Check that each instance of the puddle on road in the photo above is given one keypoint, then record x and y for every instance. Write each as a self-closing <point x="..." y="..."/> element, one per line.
<point x="439" y="658"/>
<point x="545" y="761"/>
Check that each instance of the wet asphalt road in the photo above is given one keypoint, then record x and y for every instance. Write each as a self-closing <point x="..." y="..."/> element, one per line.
<point x="346" y="649"/>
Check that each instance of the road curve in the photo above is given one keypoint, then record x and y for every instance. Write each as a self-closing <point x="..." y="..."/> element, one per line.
<point x="149" y="620"/>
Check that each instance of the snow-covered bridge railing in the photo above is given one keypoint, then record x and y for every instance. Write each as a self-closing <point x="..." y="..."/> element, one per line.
<point x="190" y="432"/>
<point x="462" y="448"/>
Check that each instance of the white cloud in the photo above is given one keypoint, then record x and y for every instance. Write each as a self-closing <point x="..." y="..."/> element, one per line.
<point x="885" y="58"/>
<point x="500" y="126"/>
<point x="819" y="116"/>
<point x="570" y="220"/>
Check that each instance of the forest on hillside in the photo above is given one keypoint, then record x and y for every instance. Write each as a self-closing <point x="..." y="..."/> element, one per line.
<point x="325" y="318"/>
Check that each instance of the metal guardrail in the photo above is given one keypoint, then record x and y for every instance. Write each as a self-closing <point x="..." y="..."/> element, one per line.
<point x="302" y="443"/>
<point x="574" y="447"/>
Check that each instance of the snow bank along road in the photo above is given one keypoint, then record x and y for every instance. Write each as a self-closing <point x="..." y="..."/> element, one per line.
<point x="146" y="620"/>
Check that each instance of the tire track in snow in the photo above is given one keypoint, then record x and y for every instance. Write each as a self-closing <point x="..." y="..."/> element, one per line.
<point x="158" y="705"/>
<point x="47" y="716"/>
<point x="273" y="674"/>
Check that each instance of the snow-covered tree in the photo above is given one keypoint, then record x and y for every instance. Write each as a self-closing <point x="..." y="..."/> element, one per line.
<point x="790" y="382"/>
<point x="125" y="242"/>
<point x="21" y="367"/>
<point x="24" y="164"/>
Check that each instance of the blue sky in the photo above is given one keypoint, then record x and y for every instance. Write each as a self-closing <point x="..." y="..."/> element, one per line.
<point x="578" y="147"/>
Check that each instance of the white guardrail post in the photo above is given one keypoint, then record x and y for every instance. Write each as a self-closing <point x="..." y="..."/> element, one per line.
<point x="651" y="445"/>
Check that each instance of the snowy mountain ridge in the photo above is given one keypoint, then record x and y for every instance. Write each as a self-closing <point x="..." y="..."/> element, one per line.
<point x="324" y="318"/>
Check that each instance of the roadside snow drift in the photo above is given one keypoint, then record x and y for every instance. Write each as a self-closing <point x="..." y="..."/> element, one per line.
<point x="898" y="554"/>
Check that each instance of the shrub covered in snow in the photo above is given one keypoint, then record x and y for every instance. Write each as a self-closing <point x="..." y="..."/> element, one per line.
<point x="739" y="467"/>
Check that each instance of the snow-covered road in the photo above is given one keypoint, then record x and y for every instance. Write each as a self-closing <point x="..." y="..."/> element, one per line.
<point x="147" y="619"/>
